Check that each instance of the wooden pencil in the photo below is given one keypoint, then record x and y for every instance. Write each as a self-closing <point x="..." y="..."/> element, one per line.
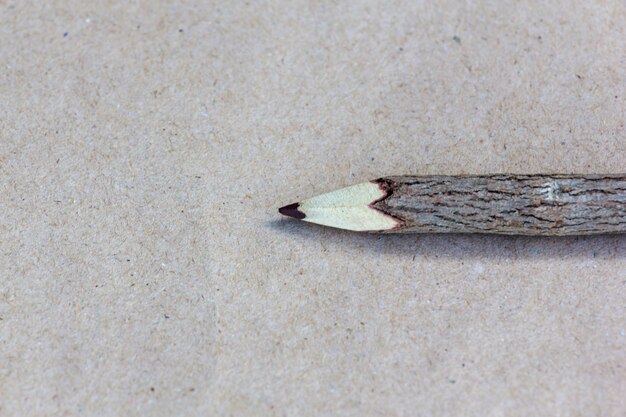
<point x="508" y="204"/>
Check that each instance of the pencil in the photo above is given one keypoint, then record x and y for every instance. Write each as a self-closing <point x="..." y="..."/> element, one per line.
<point x="508" y="204"/>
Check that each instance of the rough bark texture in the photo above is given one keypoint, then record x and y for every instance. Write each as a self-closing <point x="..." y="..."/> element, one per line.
<point x="541" y="205"/>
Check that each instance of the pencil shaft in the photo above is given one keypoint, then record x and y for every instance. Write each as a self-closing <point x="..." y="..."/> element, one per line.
<point x="541" y="205"/>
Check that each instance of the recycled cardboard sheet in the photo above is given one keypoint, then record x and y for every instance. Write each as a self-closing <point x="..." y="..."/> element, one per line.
<point x="145" y="147"/>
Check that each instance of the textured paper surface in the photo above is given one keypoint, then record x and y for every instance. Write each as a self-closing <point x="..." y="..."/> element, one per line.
<point x="146" y="145"/>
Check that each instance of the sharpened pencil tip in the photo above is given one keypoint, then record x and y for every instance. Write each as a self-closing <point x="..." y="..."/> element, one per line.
<point x="291" y="210"/>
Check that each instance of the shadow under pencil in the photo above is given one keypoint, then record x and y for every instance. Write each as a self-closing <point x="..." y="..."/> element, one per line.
<point x="466" y="246"/>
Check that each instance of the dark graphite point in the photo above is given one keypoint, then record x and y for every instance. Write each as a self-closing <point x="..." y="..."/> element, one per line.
<point x="291" y="210"/>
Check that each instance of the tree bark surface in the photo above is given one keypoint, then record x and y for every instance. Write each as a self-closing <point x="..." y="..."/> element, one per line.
<point x="537" y="205"/>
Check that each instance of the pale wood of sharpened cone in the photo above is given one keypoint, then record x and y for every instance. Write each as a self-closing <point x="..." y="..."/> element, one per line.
<point x="535" y="205"/>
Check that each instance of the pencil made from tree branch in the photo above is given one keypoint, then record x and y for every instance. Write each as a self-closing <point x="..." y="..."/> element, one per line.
<point x="534" y="205"/>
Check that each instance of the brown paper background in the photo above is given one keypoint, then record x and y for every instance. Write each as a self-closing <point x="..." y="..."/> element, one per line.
<point x="145" y="147"/>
